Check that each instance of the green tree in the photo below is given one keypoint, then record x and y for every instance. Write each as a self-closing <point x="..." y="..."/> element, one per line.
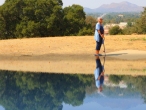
<point x="31" y="18"/>
<point x="141" y="23"/>
<point x="10" y="14"/>
<point x="85" y="31"/>
<point x="91" y="21"/>
<point x="2" y="28"/>
<point x="41" y="18"/>
<point x="74" y="18"/>
<point x="115" y="30"/>
<point x="129" y="24"/>
<point x="129" y="30"/>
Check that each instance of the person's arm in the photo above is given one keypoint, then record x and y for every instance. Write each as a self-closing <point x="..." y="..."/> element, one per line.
<point x="102" y="74"/>
<point x="98" y="30"/>
<point x="102" y="35"/>
<point x="99" y="33"/>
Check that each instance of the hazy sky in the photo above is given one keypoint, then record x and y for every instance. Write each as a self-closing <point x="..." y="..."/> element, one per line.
<point x="95" y="3"/>
<point x="2" y="1"/>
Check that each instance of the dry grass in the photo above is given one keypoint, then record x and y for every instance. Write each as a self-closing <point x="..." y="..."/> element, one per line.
<point x="69" y="54"/>
<point x="69" y="45"/>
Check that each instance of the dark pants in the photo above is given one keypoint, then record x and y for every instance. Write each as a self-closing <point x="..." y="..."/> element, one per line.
<point x="98" y="44"/>
<point x="98" y="64"/>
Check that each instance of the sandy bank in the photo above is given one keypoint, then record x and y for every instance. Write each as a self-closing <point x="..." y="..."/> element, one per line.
<point x="125" y="55"/>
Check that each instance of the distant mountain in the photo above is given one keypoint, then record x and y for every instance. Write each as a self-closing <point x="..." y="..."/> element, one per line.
<point x="116" y="7"/>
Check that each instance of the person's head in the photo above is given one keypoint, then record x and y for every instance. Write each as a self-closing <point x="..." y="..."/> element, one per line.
<point x="100" y="89"/>
<point x="100" y="20"/>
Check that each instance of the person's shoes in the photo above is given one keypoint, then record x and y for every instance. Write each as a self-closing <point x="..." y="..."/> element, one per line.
<point x="98" y="54"/>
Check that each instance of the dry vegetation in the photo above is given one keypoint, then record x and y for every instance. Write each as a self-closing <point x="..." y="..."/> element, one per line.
<point x="69" y="54"/>
<point x="70" y="45"/>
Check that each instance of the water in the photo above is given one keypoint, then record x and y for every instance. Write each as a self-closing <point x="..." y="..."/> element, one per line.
<point x="58" y="91"/>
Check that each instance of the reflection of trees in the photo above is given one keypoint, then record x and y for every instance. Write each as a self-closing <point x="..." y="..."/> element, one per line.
<point x="115" y="79"/>
<point x="138" y="83"/>
<point x="38" y="91"/>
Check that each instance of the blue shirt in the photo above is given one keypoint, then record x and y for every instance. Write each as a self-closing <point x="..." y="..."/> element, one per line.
<point x="97" y="36"/>
<point x="97" y="73"/>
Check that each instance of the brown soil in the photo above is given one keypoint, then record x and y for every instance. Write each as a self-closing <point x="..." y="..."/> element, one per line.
<point x="70" y="54"/>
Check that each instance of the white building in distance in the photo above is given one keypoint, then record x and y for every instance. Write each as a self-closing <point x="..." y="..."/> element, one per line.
<point x="122" y="25"/>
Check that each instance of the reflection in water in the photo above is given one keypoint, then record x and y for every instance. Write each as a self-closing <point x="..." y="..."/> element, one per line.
<point x="133" y="83"/>
<point x="41" y="91"/>
<point x="38" y="91"/>
<point x="99" y="74"/>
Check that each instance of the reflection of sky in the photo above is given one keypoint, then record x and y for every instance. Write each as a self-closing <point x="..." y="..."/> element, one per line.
<point x="1" y="108"/>
<point x="96" y="106"/>
<point x="120" y="98"/>
<point x="94" y="103"/>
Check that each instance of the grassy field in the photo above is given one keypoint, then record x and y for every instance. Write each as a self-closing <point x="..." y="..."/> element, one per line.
<point x="69" y="54"/>
<point x="70" y="45"/>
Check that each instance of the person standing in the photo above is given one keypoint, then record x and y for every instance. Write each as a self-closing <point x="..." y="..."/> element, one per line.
<point x="99" y="35"/>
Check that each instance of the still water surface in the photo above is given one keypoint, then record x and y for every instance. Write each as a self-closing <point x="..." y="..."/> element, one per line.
<point x="41" y="91"/>
<point x="58" y="91"/>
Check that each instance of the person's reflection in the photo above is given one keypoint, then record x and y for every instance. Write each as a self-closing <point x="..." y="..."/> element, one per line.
<point x="99" y="74"/>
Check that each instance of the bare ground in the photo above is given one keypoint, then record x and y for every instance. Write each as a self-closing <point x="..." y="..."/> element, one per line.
<point x="70" y="54"/>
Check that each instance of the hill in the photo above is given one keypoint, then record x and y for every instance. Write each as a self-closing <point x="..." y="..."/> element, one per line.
<point x="116" y="7"/>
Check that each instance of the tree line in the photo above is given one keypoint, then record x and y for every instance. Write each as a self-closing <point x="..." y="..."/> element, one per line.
<point x="48" y="18"/>
<point x="136" y="22"/>
<point x="137" y="26"/>
<point x="117" y="17"/>
<point x="41" y="18"/>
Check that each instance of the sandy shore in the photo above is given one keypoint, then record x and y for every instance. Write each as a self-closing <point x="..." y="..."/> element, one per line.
<point x="70" y="45"/>
<point x="73" y="55"/>
<point x="73" y="65"/>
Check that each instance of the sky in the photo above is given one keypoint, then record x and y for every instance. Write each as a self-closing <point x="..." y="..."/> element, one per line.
<point x="1" y="108"/>
<point x="95" y="3"/>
